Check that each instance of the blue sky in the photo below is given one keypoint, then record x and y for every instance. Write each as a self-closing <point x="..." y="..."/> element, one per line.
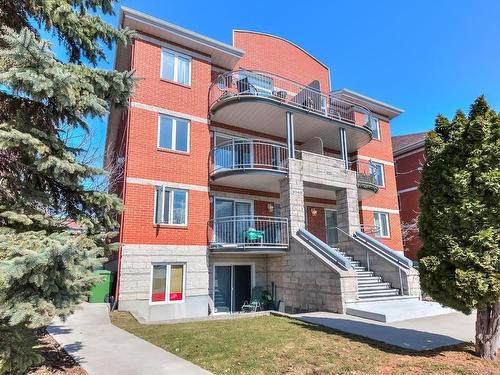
<point x="427" y="57"/>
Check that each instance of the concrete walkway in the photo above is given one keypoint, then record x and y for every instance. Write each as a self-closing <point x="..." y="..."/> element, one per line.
<point x="416" y="334"/>
<point x="102" y="348"/>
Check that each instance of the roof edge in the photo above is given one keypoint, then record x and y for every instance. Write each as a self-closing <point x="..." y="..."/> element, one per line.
<point x="385" y="108"/>
<point x="411" y="147"/>
<point x="181" y="31"/>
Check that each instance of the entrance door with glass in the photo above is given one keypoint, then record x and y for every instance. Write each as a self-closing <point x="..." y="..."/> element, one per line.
<point x="232" y="218"/>
<point x="331" y="227"/>
<point x="232" y="287"/>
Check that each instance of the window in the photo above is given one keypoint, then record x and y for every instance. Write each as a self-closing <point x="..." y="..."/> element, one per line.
<point x="377" y="170"/>
<point x="167" y="284"/>
<point x="381" y="221"/>
<point x="170" y="206"/>
<point x="173" y="134"/>
<point x="176" y="67"/>
<point x="375" y="127"/>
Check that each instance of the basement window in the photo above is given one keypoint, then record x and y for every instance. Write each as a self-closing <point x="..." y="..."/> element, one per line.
<point x="167" y="283"/>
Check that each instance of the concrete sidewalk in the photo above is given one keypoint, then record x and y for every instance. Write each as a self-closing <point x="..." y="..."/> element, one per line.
<point x="415" y="334"/>
<point x="102" y="348"/>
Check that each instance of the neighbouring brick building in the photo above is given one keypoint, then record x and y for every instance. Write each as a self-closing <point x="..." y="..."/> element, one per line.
<point x="409" y="158"/>
<point x="243" y="169"/>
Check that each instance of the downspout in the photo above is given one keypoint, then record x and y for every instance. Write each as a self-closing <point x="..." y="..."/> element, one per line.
<point x="125" y="162"/>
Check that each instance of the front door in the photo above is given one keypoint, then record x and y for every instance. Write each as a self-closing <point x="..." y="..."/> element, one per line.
<point x="331" y="227"/>
<point x="242" y="286"/>
<point x="232" y="287"/>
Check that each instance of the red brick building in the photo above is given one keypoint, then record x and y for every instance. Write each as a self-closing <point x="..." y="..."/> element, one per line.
<point x="241" y="167"/>
<point x="409" y="158"/>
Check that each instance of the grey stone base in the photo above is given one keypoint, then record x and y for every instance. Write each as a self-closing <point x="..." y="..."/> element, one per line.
<point x="193" y="307"/>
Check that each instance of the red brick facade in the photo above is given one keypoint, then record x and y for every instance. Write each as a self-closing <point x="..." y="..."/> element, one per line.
<point x="147" y="165"/>
<point x="409" y="157"/>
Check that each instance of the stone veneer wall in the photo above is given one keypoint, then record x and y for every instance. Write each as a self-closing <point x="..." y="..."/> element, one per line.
<point x="306" y="281"/>
<point x="135" y="281"/>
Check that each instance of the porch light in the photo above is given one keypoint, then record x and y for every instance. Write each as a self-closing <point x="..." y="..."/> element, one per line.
<point x="270" y="207"/>
<point x="314" y="211"/>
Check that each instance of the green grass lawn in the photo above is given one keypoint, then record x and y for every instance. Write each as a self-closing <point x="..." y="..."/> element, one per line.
<point x="276" y="345"/>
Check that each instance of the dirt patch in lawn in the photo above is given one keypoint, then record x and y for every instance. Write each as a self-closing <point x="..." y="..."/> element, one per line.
<point x="57" y="361"/>
<point x="276" y="345"/>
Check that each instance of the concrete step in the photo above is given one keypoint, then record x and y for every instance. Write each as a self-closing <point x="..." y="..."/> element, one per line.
<point x="354" y="263"/>
<point x="374" y="286"/>
<point x="362" y="274"/>
<point x="359" y="268"/>
<point x="377" y="293"/>
<point x="369" y="280"/>
<point x="397" y="298"/>
<point x="396" y="309"/>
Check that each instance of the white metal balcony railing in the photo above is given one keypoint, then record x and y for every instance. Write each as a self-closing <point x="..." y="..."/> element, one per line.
<point x="248" y="231"/>
<point x="248" y="154"/>
<point x="273" y="87"/>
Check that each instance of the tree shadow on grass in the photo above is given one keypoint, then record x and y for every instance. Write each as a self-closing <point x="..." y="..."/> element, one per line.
<point x="392" y="340"/>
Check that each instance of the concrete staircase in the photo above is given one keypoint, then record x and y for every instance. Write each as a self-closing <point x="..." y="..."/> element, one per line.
<point x="370" y="286"/>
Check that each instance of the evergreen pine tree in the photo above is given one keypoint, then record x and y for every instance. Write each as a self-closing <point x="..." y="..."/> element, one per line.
<point x="45" y="270"/>
<point x="460" y="219"/>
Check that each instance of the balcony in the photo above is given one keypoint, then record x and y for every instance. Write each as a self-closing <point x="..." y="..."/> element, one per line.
<point x="262" y="234"/>
<point x="366" y="179"/>
<point x="259" y="101"/>
<point x="232" y="162"/>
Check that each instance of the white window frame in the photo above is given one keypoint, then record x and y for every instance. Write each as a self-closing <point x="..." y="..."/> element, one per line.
<point x="176" y="66"/>
<point x="174" y="134"/>
<point x="378" y="233"/>
<point x="382" y="171"/>
<point x="167" y="284"/>
<point x="170" y="206"/>
<point x="376" y="119"/>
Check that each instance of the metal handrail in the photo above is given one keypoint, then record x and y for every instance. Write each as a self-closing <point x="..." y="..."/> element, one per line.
<point x="248" y="231"/>
<point x="379" y="249"/>
<point x="267" y="85"/>
<point x="325" y="249"/>
<point x="242" y="154"/>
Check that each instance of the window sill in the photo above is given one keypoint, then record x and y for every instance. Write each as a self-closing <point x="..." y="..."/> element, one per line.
<point x="165" y="303"/>
<point x="171" y="226"/>
<point x="175" y="83"/>
<point x="177" y="152"/>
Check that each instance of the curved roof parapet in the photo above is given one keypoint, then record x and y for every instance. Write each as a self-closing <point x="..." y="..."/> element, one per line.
<point x="281" y="38"/>
<point x="284" y="53"/>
